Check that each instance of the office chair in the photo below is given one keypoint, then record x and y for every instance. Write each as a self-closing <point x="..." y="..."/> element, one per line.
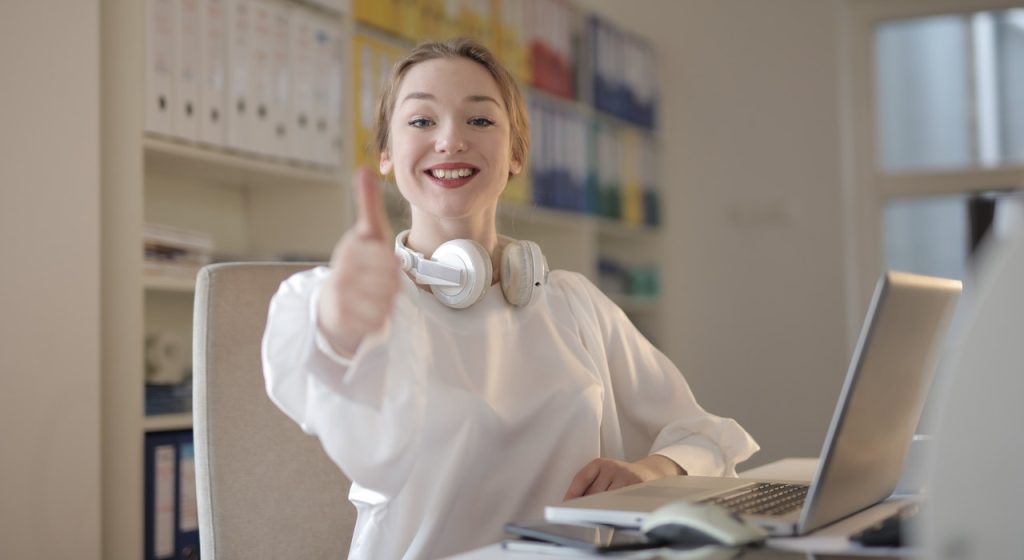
<point x="265" y="489"/>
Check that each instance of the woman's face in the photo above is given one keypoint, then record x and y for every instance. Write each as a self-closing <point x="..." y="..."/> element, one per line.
<point x="450" y="145"/>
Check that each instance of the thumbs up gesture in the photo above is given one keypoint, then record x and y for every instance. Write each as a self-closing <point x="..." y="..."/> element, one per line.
<point x="360" y="290"/>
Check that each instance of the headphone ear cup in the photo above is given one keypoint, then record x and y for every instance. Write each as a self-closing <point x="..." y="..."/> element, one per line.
<point x="523" y="271"/>
<point x="475" y="264"/>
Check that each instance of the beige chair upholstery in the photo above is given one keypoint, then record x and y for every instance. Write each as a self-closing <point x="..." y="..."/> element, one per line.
<point x="265" y="489"/>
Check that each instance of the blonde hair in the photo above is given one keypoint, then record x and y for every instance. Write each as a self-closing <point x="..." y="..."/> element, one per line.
<point x="519" y="124"/>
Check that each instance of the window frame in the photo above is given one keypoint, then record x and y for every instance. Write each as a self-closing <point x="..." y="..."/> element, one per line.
<point x="866" y="188"/>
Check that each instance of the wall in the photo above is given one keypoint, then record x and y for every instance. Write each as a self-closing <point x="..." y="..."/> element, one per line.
<point x="751" y="174"/>
<point x="49" y="289"/>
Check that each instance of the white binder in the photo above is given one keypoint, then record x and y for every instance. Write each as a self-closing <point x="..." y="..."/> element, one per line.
<point x="240" y="104"/>
<point x="261" y="77"/>
<point x="280" y="81"/>
<point x="213" y="25"/>
<point x="160" y="66"/>
<point x="302" y="75"/>
<point x="185" y="120"/>
<point x="328" y="75"/>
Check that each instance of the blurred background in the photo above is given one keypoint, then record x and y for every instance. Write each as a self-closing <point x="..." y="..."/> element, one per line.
<point x="735" y="174"/>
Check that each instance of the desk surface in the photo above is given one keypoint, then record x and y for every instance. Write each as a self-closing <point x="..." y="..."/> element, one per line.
<point x="495" y="552"/>
<point x="828" y="543"/>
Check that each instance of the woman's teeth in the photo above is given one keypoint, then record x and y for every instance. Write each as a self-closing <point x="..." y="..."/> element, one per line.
<point x="451" y="173"/>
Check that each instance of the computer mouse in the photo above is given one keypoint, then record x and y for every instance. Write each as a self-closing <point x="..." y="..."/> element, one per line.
<point x="688" y="523"/>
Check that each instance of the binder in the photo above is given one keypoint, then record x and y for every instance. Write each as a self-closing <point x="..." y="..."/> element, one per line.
<point x="261" y="78"/>
<point x="160" y="66"/>
<point x="364" y="87"/>
<point x="213" y="16"/>
<point x="161" y="462"/>
<point x="187" y="534"/>
<point x="302" y="55"/>
<point x="171" y="515"/>
<point x="240" y="104"/>
<point x="328" y="64"/>
<point x="280" y="82"/>
<point x="632" y="195"/>
<point x="652" y="201"/>
<point x="185" y="118"/>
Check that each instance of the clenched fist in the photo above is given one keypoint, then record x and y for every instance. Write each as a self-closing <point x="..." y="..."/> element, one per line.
<point x="360" y="290"/>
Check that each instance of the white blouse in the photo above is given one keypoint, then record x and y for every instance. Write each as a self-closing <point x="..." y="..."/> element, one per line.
<point x="451" y="423"/>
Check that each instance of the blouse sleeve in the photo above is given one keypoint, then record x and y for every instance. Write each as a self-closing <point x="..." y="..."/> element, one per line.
<point x="656" y="410"/>
<point x="358" y="407"/>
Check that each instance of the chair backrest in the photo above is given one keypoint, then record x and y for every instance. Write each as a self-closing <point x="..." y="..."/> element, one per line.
<point x="264" y="488"/>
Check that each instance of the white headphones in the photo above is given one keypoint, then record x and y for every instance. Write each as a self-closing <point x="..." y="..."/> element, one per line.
<point x="459" y="271"/>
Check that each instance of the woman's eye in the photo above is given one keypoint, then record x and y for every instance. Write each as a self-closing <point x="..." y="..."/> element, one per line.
<point x="420" y="123"/>
<point x="481" y="121"/>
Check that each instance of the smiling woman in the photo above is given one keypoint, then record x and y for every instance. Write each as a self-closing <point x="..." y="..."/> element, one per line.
<point x="435" y="406"/>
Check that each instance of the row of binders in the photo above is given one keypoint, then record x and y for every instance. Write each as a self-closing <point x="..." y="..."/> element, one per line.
<point x="623" y="73"/>
<point x="172" y="515"/>
<point x="258" y="77"/>
<point x="373" y="61"/>
<point x="536" y="40"/>
<point x="589" y="164"/>
<point x="498" y="24"/>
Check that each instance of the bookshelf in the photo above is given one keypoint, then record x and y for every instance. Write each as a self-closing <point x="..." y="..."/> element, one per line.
<point x="255" y="208"/>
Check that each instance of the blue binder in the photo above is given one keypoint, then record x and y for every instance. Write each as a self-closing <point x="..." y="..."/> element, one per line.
<point x="171" y="527"/>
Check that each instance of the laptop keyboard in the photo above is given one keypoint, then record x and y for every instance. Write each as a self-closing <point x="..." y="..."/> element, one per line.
<point x="767" y="498"/>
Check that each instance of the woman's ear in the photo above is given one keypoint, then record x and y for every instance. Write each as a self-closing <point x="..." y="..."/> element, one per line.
<point x="386" y="165"/>
<point x="515" y="167"/>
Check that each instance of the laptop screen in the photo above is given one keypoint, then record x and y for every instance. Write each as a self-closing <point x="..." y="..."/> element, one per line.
<point x="882" y="397"/>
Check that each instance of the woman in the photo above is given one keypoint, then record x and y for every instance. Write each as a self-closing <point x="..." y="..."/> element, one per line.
<point x="453" y="418"/>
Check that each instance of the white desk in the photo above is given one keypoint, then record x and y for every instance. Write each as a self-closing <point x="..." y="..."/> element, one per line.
<point x="830" y="539"/>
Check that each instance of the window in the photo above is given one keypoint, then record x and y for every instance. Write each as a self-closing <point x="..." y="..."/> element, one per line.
<point x="948" y="136"/>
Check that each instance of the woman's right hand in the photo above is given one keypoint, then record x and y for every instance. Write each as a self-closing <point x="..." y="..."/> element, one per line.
<point x="360" y="290"/>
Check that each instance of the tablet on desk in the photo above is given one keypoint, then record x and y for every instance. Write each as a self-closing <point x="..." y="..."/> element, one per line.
<point x="596" y="539"/>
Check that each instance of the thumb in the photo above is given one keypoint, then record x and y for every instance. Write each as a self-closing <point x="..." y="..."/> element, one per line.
<point x="371" y="220"/>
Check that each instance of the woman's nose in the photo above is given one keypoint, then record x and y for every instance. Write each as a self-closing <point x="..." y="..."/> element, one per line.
<point x="449" y="141"/>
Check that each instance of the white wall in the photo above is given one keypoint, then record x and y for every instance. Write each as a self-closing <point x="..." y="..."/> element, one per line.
<point x="751" y="173"/>
<point x="49" y="288"/>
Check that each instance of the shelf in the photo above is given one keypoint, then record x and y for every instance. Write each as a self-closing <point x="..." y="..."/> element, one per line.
<point x="166" y="422"/>
<point x="178" y="158"/>
<point x="636" y="304"/>
<point x="169" y="284"/>
<point x="616" y="228"/>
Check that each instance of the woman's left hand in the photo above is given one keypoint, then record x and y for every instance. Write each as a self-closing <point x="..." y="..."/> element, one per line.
<point x="601" y="475"/>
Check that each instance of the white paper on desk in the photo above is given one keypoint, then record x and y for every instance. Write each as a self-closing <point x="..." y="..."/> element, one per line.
<point x="835" y="538"/>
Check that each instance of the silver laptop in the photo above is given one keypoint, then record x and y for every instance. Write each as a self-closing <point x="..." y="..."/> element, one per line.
<point x="867" y="442"/>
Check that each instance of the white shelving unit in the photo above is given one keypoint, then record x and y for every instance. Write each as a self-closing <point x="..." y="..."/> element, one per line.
<point x="254" y="208"/>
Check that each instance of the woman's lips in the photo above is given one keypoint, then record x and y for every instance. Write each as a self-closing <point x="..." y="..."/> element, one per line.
<point x="454" y="182"/>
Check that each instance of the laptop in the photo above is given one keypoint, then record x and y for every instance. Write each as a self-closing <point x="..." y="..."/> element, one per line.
<point x="871" y="430"/>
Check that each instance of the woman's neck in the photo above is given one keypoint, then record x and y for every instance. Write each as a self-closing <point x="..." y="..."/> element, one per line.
<point x="427" y="233"/>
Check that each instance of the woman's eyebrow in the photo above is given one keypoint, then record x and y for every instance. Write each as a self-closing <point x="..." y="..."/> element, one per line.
<point x="419" y="95"/>
<point x="480" y="98"/>
<point x="469" y="98"/>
